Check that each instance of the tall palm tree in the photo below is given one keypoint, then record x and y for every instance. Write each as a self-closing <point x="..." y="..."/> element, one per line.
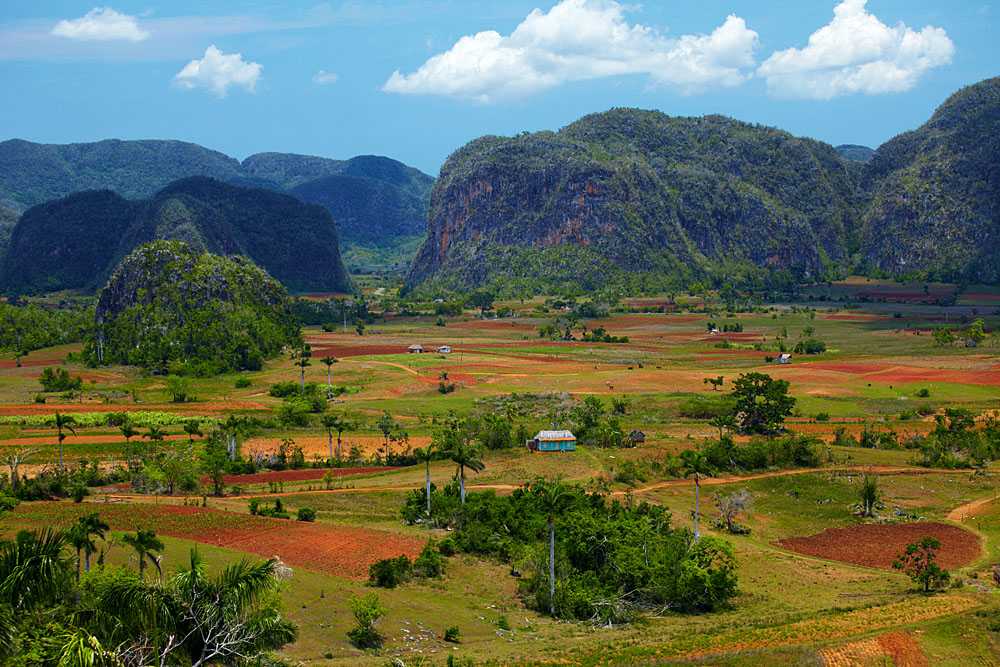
<point x="335" y="423"/>
<point x="695" y="464"/>
<point x="63" y="423"/>
<point x="554" y="497"/>
<point x="193" y="428"/>
<point x="465" y="454"/>
<point x="329" y="361"/>
<point x="81" y="535"/>
<point x="147" y="546"/>
<point x="234" y="428"/>
<point x="301" y="359"/>
<point x="426" y="454"/>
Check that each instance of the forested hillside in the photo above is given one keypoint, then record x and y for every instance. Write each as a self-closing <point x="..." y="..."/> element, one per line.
<point x="73" y="243"/>
<point x="642" y="197"/>
<point x="935" y="210"/>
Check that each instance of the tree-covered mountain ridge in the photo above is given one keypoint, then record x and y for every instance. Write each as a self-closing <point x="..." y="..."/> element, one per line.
<point x="75" y="242"/>
<point x="652" y="201"/>
<point x="374" y="199"/>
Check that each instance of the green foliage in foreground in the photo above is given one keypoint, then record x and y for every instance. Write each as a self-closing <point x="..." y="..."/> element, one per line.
<point x="168" y="306"/>
<point x="611" y="560"/>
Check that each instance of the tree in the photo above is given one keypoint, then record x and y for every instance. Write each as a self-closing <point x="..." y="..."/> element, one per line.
<point x="179" y="388"/>
<point x="943" y="337"/>
<point x="716" y="382"/>
<point x="214" y="459"/>
<point x="455" y="442"/>
<point x="197" y="620"/>
<point x="367" y="611"/>
<point x="483" y="300"/>
<point x="128" y="430"/>
<point x="426" y="455"/>
<point x="193" y="428"/>
<point x="329" y="361"/>
<point x="301" y="358"/>
<point x="155" y="434"/>
<point x="34" y="569"/>
<point x="730" y="506"/>
<point x="975" y="334"/>
<point x="694" y="464"/>
<point x="147" y="547"/>
<point x="918" y="563"/>
<point x="389" y="429"/>
<point x="869" y="496"/>
<point x="81" y="535"/>
<point x="335" y="423"/>
<point x="723" y="423"/>
<point x="63" y="423"/>
<point x="233" y="428"/>
<point x="761" y="403"/>
<point x="13" y="459"/>
<point x="554" y="497"/>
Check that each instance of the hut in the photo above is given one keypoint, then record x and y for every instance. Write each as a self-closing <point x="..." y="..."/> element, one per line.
<point x="635" y="438"/>
<point x="553" y="441"/>
<point x="444" y="349"/>
<point x="416" y="348"/>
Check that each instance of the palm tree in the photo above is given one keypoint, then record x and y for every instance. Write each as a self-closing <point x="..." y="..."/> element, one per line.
<point x="554" y="497"/>
<point x="233" y="428"/>
<point x="155" y="433"/>
<point x="233" y="617"/>
<point x="334" y="423"/>
<point x="193" y="428"/>
<point x="147" y="546"/>
<point x="426" y="454"/>
<point x="461" y="450"/>
<point x="128" y="430"/>
<point x="301" y="359"/>
<point x="14" y="459"/>
<point x="329" y="361"/>
<point x="63" y="423"/>
<point x="694" y="463"/>
<point x="33" y="568"/>
<point x="81" y="536"/>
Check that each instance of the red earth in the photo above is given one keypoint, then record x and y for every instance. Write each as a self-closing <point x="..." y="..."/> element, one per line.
<point x="878" y="545"/>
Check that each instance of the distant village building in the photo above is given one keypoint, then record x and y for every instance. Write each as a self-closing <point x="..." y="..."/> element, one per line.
<point x="553" y="441"/>
<point x="416" y="349"/>
<point x="444" y="349"/>
<point x="636" y="437"/>
<point x="784" y="358"/>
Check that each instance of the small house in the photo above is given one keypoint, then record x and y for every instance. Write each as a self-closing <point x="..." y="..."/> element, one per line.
<point x="635" y="438"/>
<point x="444" y="349"/>
<point x="416" y="348"/>
<point x="553" y="441"/>
<point x="784" y="358"/>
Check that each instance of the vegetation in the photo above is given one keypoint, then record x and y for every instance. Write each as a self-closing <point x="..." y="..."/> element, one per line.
<point x="918" y="562"/>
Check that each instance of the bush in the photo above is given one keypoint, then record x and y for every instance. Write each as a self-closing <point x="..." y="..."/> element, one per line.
<point x="59" y="379"/>
<point x="452" y="635"/>
<point x="822" y="416"/>
<point x="924" y="393"/>
<point x="430" y="563"/>
<point x="706" y="407"/>
<point x="367" y="611"/>
<point x="390" y="572"/>
<point x="306" y="514"/>
<point x="810" y="346"/>
<point x="284" y="389"/>
<point x="242" y="383"/>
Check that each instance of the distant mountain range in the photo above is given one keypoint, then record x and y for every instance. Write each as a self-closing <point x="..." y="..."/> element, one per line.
<point x="375" y="201"/>
<point x="75" y="242"/>
<point x="641" y="199"/>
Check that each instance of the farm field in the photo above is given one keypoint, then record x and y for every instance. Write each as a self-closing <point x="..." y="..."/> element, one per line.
<point x="816" y="581"/>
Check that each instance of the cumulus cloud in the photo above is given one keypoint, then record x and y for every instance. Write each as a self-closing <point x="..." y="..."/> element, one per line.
<point x="324" y="78"/>
<point x="217" y="71"/>
<point x="578" y="40"/>
<point x="101" y="24"/>
<point x="856" y="53"/>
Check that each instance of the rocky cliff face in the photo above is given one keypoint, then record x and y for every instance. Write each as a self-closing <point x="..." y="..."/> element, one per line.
<point x="636" y="192"/>
<point x="935" y="208"/>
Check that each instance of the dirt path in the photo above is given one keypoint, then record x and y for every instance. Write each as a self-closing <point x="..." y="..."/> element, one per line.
<point x="963" y="512"/>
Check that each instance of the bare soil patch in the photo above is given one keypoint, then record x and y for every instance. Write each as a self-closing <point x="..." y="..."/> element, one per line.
<point x="874" y="545"/>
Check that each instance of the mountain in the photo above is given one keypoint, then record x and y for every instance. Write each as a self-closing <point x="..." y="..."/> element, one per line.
<point x="74" y="242"/>
<point x="169" y="306"/>
<point x="637" y="196"/>
<point x="8" y="218"/>
<point x="855" y="152"/>
<point x="376" y="200"/>
<point x="935" y="202"/>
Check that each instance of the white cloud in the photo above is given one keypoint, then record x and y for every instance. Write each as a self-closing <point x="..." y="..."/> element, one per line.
<point x="324" y="78"/>
<point x="101" y="24"/>
<point x="856" y="53"/>
<point x="217" y="71"/>
<point x="578" y="40"/>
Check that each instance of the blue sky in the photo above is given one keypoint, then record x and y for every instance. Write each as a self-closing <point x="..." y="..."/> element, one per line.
<point x="318" y="78"/>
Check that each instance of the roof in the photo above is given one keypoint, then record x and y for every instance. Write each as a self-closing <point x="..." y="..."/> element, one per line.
<point x="551" y="436"/>
<point x="416" y="346"/>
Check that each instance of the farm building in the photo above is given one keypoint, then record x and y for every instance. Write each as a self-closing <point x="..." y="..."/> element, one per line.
<point x="415" y="349"/>
<point x="635" y="438"/>
<point x="444" y="349"/>
<point x="784" y="358"/>
<point x="553" y="441"/>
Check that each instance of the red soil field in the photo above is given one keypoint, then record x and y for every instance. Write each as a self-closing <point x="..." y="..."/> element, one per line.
<point x="321" y="350"/>
<point x="51" y="439"/>
<point x="302" y="475"/>
<point x="874" y="545"/>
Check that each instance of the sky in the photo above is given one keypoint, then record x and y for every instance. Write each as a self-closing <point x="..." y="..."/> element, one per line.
<point x="415" y="80"/>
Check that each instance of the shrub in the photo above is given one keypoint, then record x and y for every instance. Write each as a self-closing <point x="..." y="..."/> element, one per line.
<point x="810" y="346"/>
<point x="242" y="382"/>
<point x="822" y="416"/>
<point x="367" y="610"/>
<point x="59" y="379"/>
<point x="447" y="547"/>
<point x="918" y="562"/>
<point x="706" y="407"/>
<point x="924" y="393"/>
<point x="306" y="514"/>
<point x="430" y="563"/>
<point x="390" y="572"/>
<point x="452" y="635"/>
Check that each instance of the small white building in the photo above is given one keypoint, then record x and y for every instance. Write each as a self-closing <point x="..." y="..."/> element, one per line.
<point x="784" y="358"/>
<point x="416" y="348"/>
<point x="444" y="349"/>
